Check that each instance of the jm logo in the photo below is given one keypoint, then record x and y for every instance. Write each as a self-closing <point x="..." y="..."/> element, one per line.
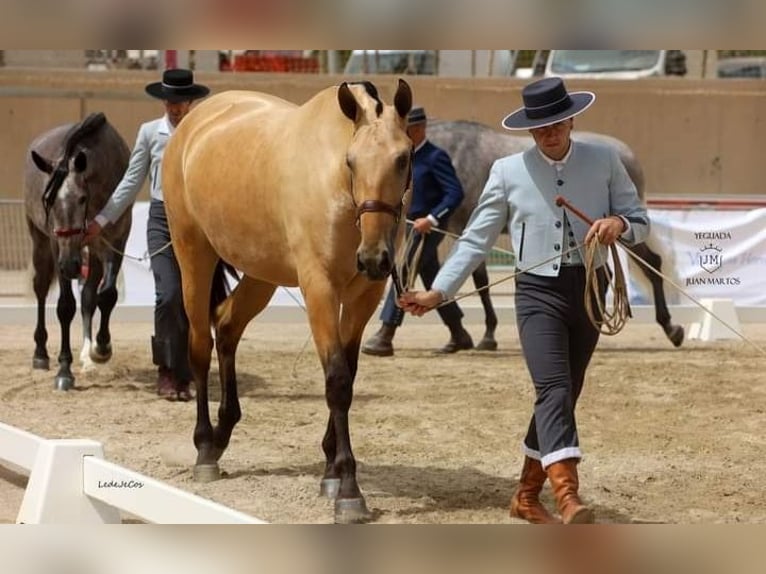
<point x="710" y="258"/>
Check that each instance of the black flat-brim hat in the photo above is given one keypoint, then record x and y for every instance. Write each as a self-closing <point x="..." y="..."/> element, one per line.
<point x="547" y="102"/>
<point x="177" y="85"/>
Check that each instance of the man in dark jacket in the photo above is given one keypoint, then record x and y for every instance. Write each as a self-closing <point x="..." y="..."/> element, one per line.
<point x="436" y="194"/>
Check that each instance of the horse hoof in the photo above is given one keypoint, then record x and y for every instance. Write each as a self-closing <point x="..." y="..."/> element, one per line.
<point x="63" y="383"/>
<point x="41" y="363"/>
<point x="351" y="511"/>
<point x="206" y="472"/>
<point x="329" y="488"/>
<point x="487" y="345"/>
<point x="676" y="335"/>
<point x="99" y="355"/>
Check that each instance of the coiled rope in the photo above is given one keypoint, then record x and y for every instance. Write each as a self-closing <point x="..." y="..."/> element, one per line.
<point x="608" y="321"/>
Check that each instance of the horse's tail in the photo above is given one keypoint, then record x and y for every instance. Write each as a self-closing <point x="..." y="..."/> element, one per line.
<point x="221" y="287"/>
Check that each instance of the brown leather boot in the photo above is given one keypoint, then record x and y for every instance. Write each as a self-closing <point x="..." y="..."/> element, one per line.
<point x="525" y="503"/>
<point x="381" y="343"/>
<point x="166" y="387"/>
<point x="563" y="477"/>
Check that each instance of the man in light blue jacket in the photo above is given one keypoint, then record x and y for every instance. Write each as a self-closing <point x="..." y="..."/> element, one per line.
<point x="556" y="335"/>
<point x="170" y="341"/>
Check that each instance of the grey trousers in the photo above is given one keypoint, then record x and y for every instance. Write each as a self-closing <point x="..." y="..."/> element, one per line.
<point x="170" y="344"/>
<point x="557" y="340"/>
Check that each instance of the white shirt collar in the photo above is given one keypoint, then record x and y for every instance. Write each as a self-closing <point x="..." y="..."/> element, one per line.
<point x="166" y="126"/>
<point x="420" y="145"/>
<point x="558" y="162"/>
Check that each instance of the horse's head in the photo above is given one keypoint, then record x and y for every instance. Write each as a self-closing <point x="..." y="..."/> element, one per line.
<point x="66" y="196"/>
<point x="379" y="159"/>
<point x="65" y="200"/>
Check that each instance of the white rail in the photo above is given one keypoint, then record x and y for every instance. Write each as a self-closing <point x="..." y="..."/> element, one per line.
<point x="71" y="483"/>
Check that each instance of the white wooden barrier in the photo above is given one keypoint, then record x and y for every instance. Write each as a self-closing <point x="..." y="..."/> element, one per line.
<point x="71" y="483"/>
<point x="710" y="328"/>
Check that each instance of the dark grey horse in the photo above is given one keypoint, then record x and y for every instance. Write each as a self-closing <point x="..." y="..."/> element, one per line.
<point x="70" y="173"/>
<point x="474" y="147"/>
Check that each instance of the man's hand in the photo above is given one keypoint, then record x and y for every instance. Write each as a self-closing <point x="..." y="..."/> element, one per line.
<point x="420" y="302"/>
<point x="92" y="232"/>
<point x="606" y="230"/>
<point x="422" y="225"/>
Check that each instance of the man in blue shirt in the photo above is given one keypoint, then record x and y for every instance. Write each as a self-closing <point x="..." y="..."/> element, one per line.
<point x="436" y="193"/>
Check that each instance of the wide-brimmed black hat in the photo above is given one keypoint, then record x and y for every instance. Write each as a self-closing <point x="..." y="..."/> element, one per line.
<point x="547" y="102"/>
<point x="177" y="85"/>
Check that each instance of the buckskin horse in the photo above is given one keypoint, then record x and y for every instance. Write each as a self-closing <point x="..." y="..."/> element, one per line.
<point x="474" y="147"/>
<point x="290" y="195"/>
<point x="70" y="172"/>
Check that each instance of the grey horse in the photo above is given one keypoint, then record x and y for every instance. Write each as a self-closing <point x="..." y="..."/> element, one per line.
<point x="70" y="173"/>
<point x="474" y="147"/>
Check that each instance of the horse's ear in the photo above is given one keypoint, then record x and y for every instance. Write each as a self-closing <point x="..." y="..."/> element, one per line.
<point x="80" y="162"/>
<point x="403" y="99"/>
<point x="42" y="164"/>
<point x="347" y="102"/>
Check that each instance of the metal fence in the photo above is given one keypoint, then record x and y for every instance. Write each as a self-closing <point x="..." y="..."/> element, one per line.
<point x="15" y="249"/>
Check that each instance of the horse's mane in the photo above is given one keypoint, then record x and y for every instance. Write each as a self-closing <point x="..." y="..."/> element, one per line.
<point x="72" y="139"/>
<point x="372" y="91"/>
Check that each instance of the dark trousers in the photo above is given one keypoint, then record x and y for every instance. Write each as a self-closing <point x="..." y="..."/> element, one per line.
<point x="428" y="267"/>
<point x="170" y="344"/>
<point x="557" y="340"/>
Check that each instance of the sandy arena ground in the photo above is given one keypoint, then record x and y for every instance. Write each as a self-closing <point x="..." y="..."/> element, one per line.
<point x="669" y="435"/>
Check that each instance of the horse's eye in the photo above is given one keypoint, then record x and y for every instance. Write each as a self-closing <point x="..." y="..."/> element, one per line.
<point x="402" y="162"/>
<point x="81" y="200"/>
<point x="349" y="162"/>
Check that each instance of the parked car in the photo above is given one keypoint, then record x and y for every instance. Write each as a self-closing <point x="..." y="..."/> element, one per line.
<point x="749" y="67"/>
<point x="615" y="64"/>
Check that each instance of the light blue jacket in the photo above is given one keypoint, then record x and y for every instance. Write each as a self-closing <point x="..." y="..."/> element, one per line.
<point x="521" y="191"/>
<point x="145" y="159"/>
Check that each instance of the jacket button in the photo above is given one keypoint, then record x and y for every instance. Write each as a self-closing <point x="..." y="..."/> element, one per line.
<point x="557" y="247"/>
<point x="558" y="224"/>
<point x="555" y="266"/>
<point x="572" y="244"/>
<point x="571" y="234"/>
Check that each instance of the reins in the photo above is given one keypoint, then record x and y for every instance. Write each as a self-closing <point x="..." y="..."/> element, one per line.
<point x="607" y="321"/>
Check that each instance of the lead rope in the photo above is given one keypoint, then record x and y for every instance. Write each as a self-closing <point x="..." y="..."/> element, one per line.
<point x="606" y="321"/>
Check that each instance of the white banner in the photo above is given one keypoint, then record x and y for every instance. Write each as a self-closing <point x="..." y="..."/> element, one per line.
<point x="136" y="283"/>
<point x="710" y="254"/>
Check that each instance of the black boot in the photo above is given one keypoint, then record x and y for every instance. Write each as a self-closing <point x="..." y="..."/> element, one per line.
<point x="380" y="344"/>
<point x="460" y="340"/>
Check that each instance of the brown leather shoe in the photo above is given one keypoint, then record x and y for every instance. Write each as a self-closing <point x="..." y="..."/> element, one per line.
<point x="184" y="391"/>
<point x="458" y="342"/>
<point x="565" y="483"/>
<point x="381" y="343"/>
<point x="166" y="386"/>
<point x="525" y="503"/>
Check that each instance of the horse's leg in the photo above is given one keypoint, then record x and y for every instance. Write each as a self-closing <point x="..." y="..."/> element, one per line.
<point x="65" y="310"/>
<point x="339" y="481"/>
<point x="481" y="280"/>
<point x="101" y="352"/>
<point x="44" y="271"/>
<point x="231" y="318"/>
<point x="198" y="261"/>
<point x="673" y="332"/>
<point x="88" y="307"/>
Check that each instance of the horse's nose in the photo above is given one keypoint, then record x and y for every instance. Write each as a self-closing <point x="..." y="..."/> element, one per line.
<point x="69" y="268"/>
<point x="376" y="267"/>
